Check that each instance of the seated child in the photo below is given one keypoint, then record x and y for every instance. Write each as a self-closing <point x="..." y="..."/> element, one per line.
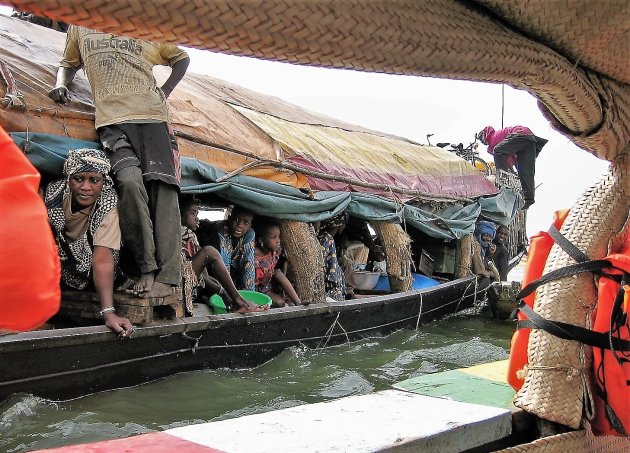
<point x="268" y="251"/>
<point x="236" y="244"/>
<point x="198" y="262"/>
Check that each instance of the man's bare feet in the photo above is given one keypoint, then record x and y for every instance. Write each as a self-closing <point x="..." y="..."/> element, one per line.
<point x="143" y="285"/>
<point x="158" y="290"/>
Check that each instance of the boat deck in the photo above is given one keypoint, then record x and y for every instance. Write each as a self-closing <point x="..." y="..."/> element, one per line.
<point x="458" y="410"/>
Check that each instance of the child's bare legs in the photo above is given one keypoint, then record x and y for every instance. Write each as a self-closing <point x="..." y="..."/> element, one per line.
<point x="277" y="301"/>
<point x="210" y="258"/>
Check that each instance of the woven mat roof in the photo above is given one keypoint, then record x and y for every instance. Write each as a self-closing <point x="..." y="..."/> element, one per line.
<point x="568" y="53"/>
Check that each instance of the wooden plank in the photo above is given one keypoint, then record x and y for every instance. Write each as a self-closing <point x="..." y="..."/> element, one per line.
<point x="386" y="421"/>
<point x="86" y="304"/>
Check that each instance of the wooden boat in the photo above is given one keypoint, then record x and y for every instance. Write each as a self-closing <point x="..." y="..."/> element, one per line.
<point x="67" y="363"/>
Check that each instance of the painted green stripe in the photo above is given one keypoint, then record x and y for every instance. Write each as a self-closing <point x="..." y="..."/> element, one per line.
<point x="459" y="386"/>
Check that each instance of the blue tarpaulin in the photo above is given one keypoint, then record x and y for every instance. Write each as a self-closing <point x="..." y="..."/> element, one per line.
<point x="453" y="221"/>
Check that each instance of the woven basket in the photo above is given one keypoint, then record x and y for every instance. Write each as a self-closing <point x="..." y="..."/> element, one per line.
<point x="557" y="382"/>
<point x="575" y="441"/>
<point x="397" y="247"/>
<point x="307" y="262"/>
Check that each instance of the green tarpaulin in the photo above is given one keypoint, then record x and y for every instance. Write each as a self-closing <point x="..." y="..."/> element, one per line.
<point x="48" y="152"/>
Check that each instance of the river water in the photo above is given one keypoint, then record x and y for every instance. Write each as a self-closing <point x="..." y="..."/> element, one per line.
<point x="297" y="376"/>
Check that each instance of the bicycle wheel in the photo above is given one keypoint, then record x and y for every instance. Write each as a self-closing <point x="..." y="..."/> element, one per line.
<point x="482" y="166"/>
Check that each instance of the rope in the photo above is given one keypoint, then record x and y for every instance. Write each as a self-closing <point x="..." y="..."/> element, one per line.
<point x="330" y="330"/>
<point x="420" y="312"/>
<point x="195" y="339"/>
<point x="13" y="98"/>
<point x="242" y="168"/>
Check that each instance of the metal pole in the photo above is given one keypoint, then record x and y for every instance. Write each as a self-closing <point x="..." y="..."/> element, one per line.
<point x="502" y="104"/>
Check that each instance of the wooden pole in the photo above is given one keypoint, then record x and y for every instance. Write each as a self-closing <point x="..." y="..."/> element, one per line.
<point x="463" y="256"/>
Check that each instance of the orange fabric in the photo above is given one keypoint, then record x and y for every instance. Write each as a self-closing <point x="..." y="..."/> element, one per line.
<point x="606" y="369"/>
<point x="539" y="248"/>
<point x="29" y="265"/>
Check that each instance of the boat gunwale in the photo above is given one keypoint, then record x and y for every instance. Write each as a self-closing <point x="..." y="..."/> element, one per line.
<point x="92" y="334"/>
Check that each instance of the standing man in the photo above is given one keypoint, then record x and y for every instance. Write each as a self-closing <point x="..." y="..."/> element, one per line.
<point x="515" y="145"/>
<point x="132" y="123"/>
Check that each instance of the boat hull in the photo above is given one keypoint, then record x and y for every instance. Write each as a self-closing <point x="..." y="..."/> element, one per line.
<point x="68" y="363"/>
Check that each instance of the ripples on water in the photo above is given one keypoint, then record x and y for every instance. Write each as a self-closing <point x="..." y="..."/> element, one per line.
<point x="297" y="376"/>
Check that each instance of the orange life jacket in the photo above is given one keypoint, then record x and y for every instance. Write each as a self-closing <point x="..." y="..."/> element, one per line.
<point x="609" y="336"/>
<point x="611" y="369"/>
<point x="539" y="248"/>
<point x="29" y="264"/>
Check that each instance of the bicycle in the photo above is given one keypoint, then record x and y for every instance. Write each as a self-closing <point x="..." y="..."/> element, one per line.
<point x="469" y="154"/>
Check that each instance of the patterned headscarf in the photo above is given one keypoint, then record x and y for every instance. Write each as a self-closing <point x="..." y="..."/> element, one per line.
<point x="90" y="160"/>
<point x="76" y="256"/>
<point x="336" y="221"/>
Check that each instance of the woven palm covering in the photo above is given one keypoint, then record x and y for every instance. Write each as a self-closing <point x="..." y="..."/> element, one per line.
<point x="307" y="262"/>
<point x="570" y="54"/>
<point x="397" y="247"/>
<point x="557" y="383"/>
<point x="576" y="441"/>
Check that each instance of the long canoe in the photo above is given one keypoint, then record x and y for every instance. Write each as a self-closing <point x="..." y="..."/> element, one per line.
<point x="67" y="363"/>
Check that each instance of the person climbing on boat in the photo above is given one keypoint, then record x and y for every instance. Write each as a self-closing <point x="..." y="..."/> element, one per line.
<point x="83" y="216"/>
<point x="267" y="257"/>
<point x="203" y="267"/>
<point x="516" y="145"/>
<point x="501" y="255"/>
<point x="131" y="121"/>
<point x="334" y="278"/>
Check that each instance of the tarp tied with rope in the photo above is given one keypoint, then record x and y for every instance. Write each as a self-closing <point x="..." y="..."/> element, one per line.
<point x="444" y="220"/>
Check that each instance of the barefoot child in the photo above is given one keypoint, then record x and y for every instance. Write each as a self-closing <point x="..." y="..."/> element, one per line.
<point x="199" y="262"/>
<point x="268" y="249"/>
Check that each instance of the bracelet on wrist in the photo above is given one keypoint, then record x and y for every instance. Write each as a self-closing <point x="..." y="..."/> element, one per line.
<point x="107" y="310"/>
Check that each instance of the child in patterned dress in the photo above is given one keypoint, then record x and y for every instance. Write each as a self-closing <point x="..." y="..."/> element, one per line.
<point x="267" y="255"/>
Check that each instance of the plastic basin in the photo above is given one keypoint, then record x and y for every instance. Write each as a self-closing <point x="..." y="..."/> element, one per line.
<point x="365" y="279"/>
<point x="419" y="281"/>
<point x="218" y="306"/>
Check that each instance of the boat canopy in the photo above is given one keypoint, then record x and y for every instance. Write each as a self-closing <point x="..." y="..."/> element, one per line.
<point x="235" y="129"/>
<point x="440" y="220"/>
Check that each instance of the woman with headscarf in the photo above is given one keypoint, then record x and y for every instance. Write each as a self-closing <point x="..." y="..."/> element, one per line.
<point x="334" y="278"/>
<point x="83" y="216"/>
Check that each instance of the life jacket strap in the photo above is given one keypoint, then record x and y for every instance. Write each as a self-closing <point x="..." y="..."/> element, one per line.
<point x="572" y="332"/>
